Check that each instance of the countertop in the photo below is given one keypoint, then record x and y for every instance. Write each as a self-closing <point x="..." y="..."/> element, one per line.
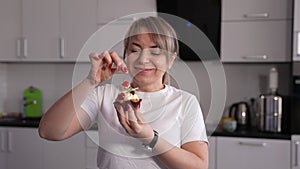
<point x="20" y="122"/>
<point x="250" y="133"/>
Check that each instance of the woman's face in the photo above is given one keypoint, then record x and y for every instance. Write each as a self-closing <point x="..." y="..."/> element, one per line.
<point x="146" y="62"/>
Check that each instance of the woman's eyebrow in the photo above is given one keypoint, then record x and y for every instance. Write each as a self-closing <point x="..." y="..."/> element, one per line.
<point x="138" y="45"/>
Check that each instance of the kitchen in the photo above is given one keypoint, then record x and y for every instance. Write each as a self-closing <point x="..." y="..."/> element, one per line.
<point x="46" y="67"/>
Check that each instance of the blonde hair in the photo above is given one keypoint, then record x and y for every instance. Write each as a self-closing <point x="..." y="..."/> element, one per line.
<point x="161" y="33"/>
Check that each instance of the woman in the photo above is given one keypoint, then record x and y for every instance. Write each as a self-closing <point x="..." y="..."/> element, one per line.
<point x="168" y="121"/>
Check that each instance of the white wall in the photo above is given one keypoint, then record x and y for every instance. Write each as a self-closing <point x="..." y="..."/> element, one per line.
<point x="3" y="86"/>
<point x="243" y="81"/>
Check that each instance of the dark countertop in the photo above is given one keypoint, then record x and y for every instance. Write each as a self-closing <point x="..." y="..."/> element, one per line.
<point x="252" y="133"/>
<point x="20" y="122"/>
<point x="249" y="133"/>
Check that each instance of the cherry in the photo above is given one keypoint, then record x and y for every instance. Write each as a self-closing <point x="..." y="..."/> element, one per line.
<point x="125" y="84"/>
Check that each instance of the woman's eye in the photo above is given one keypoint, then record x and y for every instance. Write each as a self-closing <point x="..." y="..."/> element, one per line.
<point x="155" y="52"/>
<point x="135" y="51"/>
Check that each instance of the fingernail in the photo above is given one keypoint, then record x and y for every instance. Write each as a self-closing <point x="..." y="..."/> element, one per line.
<point x="119" y="68"/>
<point x="110" y="65"/>
<point x="125" y="69"/>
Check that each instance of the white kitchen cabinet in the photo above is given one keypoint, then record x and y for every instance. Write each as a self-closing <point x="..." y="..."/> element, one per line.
<point x="257" y="41"/>
<point x="20" y="148"/>
<point x="3" y="148"/>
<point x="92" y="141"/>
<point x="295" y="158"/>
<point x="45" y="30"/>
<point x="10" y="29"/>
<point x="78" y="22"/>
<point x="249" y="153"/>
<point x="243" y="10"/>
<point x="109" y="10"/>
<point x="67" y="154"/>
<point x="297" y="15"/>
<point x="296" y="31"/>
<point x="256" y="31"/>
<point x="212" y="153"/>
<point x="40" y="30"/>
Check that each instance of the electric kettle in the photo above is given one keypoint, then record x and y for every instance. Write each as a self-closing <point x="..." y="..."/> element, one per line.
<point x="241" y="113"/>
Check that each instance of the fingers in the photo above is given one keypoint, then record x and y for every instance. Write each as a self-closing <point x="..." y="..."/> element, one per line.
<point x="120" y="65"/>
<point x="113" y="62"/>
<point x="128" y="119"/>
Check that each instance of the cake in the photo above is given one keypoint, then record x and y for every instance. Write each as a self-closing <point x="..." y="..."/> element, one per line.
<point x="128" y="95"/>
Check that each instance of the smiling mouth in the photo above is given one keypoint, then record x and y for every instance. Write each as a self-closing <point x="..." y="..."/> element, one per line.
<point x="143" y="70"/>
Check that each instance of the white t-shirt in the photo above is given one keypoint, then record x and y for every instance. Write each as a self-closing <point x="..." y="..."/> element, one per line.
<point x="175" y="114"/>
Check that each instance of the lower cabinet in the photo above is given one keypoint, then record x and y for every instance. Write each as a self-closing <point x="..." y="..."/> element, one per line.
<point x="295" y="152"/>
<point x="212" y="152"/>
<point x="91" y="142"/>
<point x="23" y="148"/>
<point x="20" y="148"/>
<point x="250" y="153"/>
<point x="67" y="154"/>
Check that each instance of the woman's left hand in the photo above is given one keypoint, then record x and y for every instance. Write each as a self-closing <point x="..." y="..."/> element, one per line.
<point x="133" y="123"/>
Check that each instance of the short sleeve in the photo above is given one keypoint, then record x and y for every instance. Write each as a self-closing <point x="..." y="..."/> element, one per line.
<point x="193" y="127"/>
<point x="90" y="104"/>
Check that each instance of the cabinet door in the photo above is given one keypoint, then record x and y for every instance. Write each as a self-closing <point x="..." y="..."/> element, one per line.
<point x="67" y="154"/>
<point x="109" y="10"/>
<point x="234" y="10"/>
<point x="92" y="141"/>
<point x="295" y="159"/>
<point x="3" y="148"/>
<point x="261" y="41"/>
<point x="297" y="15"/>
<point x="296" y="32"/>
<point x="24" y="148"/>
<point x="212" y="153"/>
<point x="10" y="30"/>
<point x="78" y="22"/>
<point x="40" y="20"/>
<point x="249" y="153"/>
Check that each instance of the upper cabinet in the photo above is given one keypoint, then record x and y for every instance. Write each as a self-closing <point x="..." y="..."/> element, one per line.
<point x="10" y="29"/>
<point x="78" y="22"/>
<point x="57" y="30"/>
<point x="109" y="10"/>
<point x="297" y="15"/>
<point x="296" y="31"/>
<point x="40" y="30"/>
<point x="256" y="31"/>
<point x="243" y="10"/>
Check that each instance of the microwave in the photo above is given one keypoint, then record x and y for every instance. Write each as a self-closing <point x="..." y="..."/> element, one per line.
<point x="205" y="15"/>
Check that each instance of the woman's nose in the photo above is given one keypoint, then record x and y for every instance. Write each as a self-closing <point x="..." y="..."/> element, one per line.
<point x="144" y="56"/>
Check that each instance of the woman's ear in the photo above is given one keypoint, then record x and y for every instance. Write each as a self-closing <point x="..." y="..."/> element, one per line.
<point x="172" y="58"/>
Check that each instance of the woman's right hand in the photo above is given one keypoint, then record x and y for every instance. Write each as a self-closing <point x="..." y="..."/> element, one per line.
<point x="103" y="66"/>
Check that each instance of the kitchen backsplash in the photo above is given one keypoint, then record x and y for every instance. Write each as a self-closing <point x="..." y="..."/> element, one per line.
<point x="54" y="79"/>
<point x="3" y="86"/>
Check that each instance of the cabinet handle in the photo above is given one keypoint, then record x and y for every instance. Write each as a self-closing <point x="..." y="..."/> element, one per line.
<point x="296" y="153"/>
<point x="9" y="142"/>
<point x="62" y="47"/>
<point x="25" y="52"/>
<point x="18" y="48"/>
<point x="2" y="141"/>
<point x="256" y="57"/>
<point x="252" y="144"/>
<point x="257" y="15"/>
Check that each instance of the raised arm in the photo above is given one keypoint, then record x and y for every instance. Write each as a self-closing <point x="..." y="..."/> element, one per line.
<point x="65" y="117"/>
